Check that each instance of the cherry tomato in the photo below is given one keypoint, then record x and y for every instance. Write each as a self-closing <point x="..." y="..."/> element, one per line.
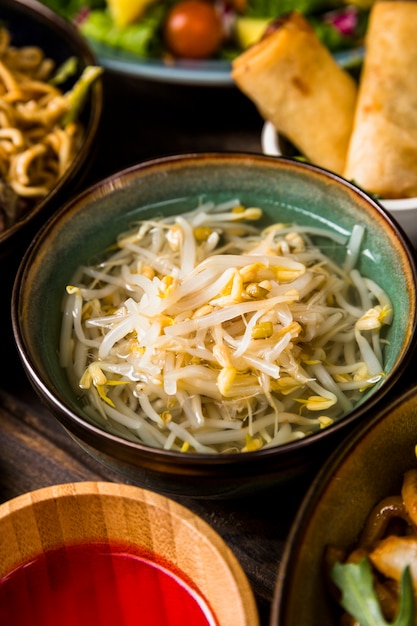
<point x="193" y="30"/>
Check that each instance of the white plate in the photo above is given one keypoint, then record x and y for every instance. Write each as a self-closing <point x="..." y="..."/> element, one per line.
<point x="404" y="210"/>
<point x="270" y="140"/>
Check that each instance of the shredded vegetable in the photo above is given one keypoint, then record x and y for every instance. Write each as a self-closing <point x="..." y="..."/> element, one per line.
<point x="205" y="333"/>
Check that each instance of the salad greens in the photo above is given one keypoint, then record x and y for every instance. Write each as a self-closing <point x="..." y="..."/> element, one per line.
<point x="272" y="8"/>
<point x="71" y="8"/>
<point x="355" y="580"/>
<point x="141" y="38"/>
<point x="338" y="25"/>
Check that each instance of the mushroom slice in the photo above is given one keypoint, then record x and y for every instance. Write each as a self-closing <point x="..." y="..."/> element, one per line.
<point x="393" y="554"/>
<point x="409" y="494"/>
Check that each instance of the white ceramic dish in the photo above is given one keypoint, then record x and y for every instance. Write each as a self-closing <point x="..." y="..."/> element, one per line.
<point x="403" y="210"/>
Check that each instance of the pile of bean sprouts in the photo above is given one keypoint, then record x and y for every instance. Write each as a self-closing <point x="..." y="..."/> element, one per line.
<point x="203" y="333"/>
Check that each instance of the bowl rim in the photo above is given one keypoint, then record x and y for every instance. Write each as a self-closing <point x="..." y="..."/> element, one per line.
<point x="271" y="146"/>
<point x="69" y="31"/>
<point x="242" y="462"/>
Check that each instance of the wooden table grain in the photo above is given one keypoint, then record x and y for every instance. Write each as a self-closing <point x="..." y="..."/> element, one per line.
<point x="143" y="120"/>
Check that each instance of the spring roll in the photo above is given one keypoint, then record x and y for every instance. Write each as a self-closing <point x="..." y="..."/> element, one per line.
<point x="297" y="85"/>
<point x="382" y="155"/>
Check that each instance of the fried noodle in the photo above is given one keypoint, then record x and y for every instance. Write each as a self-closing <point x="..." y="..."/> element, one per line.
<point x="35" y="148"/>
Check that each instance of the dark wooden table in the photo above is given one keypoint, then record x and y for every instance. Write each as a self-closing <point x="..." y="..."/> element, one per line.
<point x="143" y="120"/>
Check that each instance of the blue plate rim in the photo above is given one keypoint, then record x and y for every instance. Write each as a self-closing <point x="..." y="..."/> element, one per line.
<point x="199" y="73"/>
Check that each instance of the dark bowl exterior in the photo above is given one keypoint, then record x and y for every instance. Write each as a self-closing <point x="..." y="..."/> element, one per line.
<point x="291" y="188"/>
<point x="32" y="23"/>
<point x="358" y="476"/>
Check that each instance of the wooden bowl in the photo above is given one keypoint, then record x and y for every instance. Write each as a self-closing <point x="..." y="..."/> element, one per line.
<point x="87" y="512"/>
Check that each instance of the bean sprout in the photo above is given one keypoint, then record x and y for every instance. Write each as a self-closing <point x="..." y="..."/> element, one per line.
<point x="203" y="333"/>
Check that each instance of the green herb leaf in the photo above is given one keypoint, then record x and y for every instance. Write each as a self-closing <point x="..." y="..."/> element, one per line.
<point x="359" y="599"/>
<point x="77" y="95"/>
<point x="406" y="611"/>
<point x="65" y="70"/>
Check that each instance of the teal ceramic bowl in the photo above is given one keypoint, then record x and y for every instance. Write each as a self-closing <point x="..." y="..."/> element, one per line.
<point x="359" y="475"/>
<point x="288" y="191"/>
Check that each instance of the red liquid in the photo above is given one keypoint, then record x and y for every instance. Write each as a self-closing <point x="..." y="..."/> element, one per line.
<point x="99" y="585"/>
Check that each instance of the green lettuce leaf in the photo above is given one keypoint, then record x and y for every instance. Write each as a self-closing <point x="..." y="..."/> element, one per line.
<point x="355" y="581"/>
<point x="139" y="38"/>
<point x="70" y="8"/>
<point x="274" y="8"/>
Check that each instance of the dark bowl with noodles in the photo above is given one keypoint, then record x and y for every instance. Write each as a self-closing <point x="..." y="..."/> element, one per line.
<point x="358" y="506"/>
<point x="211" y="350"/>
<point x="43" y="154"/>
